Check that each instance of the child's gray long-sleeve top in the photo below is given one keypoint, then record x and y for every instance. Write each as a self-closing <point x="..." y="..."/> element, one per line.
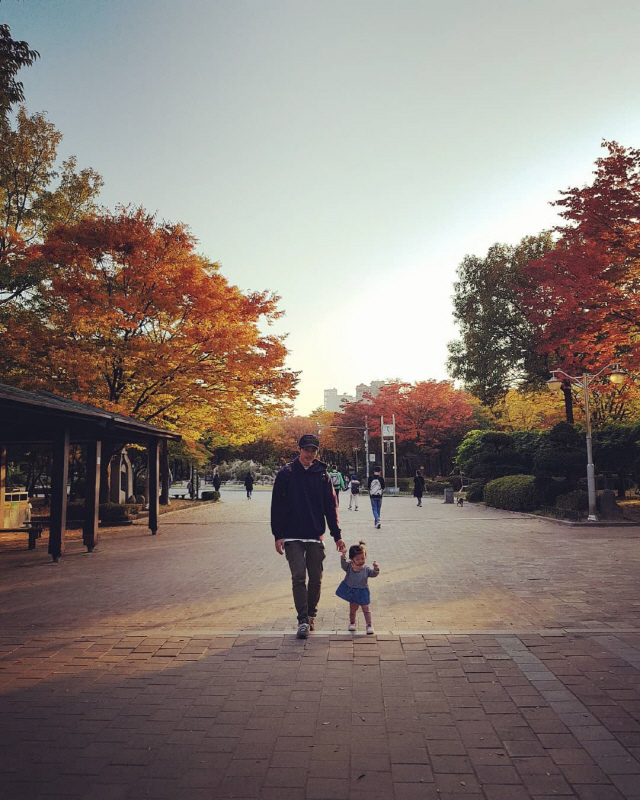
<point x="357" y="580"/>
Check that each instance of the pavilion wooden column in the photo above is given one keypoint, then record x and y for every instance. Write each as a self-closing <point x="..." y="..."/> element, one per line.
<point x="154" y="484"/>
<point x="3" y="481"/>
<point x="59" y="479"/>
<point x="164" y="474"/>
<point x="92" y="495"/>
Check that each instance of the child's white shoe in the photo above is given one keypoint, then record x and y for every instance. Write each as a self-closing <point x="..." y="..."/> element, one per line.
<point x="352" y="626"/>
<point x="370" y="629"/>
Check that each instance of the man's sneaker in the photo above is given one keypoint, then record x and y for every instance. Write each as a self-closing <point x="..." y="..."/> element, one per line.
<point x="370" y="630"/>
<point x="378" y="525"/>
<point x="312" y="623"/>
<point x="352" y="626"/>
<point x="303" y="630"/>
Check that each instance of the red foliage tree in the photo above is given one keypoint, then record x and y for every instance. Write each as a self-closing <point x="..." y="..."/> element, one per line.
<point x="427" y="413"/>
<point x="430" y="415"/>
<point x="584" y="293"/>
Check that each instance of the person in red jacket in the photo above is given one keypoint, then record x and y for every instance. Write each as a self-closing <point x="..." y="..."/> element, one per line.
<point x="302" y="500"/>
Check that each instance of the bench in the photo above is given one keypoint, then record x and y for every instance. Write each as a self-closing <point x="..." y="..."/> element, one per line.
<point x="33" y="531"/>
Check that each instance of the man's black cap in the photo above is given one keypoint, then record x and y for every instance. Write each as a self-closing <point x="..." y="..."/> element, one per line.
<point x="309" y="440"/>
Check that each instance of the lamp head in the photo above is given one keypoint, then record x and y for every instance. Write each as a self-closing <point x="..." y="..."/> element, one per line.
<point x="617" y="375"/>
<point x="554" y="383"/>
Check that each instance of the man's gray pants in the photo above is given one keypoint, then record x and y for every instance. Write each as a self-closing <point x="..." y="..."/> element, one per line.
<point x="305" y="558"/>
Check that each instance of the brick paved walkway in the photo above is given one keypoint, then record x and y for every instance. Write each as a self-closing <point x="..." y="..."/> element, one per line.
<point x="506" y="664"/>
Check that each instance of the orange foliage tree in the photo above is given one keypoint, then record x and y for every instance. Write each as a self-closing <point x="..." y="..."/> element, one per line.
<point x="132" y="319"/>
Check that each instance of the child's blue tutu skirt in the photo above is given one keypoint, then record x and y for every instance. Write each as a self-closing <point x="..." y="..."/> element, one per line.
<point x="360" y="596"/>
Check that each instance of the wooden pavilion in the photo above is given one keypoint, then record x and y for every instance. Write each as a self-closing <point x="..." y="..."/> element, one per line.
<point x="45" y="418"/>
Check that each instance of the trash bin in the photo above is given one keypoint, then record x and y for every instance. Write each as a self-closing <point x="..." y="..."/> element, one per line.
<point x="448" y="496"/>
<point x="15" y="508"/>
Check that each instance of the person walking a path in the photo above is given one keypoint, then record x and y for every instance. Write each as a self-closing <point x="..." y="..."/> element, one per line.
<point x="338" y="482"/>
<point x="354" y="491"/>
<point x="418" y="487"/>
<point x="376" y="488"/>
<point x="303" y="499"/>
<point x="248" y="484"/>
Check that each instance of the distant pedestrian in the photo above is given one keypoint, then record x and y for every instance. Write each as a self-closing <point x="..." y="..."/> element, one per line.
<point x="418" y="487"/>
<point x="376" y="488"/>
<point x="355" y="586"/>
<point x="217" y="481"/>
<point x="248" y="485"/>
<point x="338" y="482"/>
<point x="354" y="491"/>
<point x="302" y="499"/>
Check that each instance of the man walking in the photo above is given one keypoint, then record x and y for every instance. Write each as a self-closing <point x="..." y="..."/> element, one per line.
<point x="376" y="488"/>
<point x="302" y="499"/>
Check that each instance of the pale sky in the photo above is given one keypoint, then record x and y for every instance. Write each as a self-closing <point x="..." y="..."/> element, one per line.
<point x="345" y="154"/>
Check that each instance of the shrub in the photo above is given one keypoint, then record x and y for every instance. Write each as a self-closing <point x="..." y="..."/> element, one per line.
<point x="551" y="488"/>
<point x="107" y="512"/>
<point x="475" y="493"/>
<point x="491" y="456"/>
<point x="405" y="484"/>
<point x="513" y="492"/>
<point x="453" y="480"/>
<point x="573" y="501"/>
<point x="560" y="453"/>
<point x="75" y="509"/>
<point x="436" y="487"/>
<point x="210" y="495"/>
<point x="117" y="512"/>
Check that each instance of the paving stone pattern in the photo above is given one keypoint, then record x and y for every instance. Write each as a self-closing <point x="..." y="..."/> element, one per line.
<point x="505" y="667"/>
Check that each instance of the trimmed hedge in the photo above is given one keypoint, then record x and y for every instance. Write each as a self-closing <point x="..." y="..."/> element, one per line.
<point x="112" y="513"/>
<point x="436" y="487"/>
<point x="75" y="509"/>
<point x="210" y="495"/>
<point x="573" y="501"/>
<point x="513" y="493"/>
<point x="107" y="512"/>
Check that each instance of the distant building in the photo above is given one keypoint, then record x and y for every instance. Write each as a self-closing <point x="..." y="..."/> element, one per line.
<point x="368" y="388"/>
<point x="333" y="401"/>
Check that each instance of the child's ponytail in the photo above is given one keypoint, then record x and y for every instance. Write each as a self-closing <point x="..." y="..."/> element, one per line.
<point x="357" y="549"/>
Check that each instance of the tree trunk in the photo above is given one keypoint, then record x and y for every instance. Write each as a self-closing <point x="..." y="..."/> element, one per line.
<point x="568" y="403"/>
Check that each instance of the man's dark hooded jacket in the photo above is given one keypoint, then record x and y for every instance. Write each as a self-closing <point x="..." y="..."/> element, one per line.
<point x="302" y="499"/>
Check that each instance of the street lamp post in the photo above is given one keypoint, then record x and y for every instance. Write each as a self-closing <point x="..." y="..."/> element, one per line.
<point x="616" y="376"/>
<point x="365" y="431"/>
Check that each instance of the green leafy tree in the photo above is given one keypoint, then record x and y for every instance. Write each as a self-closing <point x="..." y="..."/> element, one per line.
<point x="561" y="454"/>
<point x="35" y="196"/>
<point x="497" y="346"/>
<point x="487" y="455"/>
<point x="13" y="56"/>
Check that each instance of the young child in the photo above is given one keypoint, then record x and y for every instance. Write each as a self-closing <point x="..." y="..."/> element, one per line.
<point x="354" y="588"/>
